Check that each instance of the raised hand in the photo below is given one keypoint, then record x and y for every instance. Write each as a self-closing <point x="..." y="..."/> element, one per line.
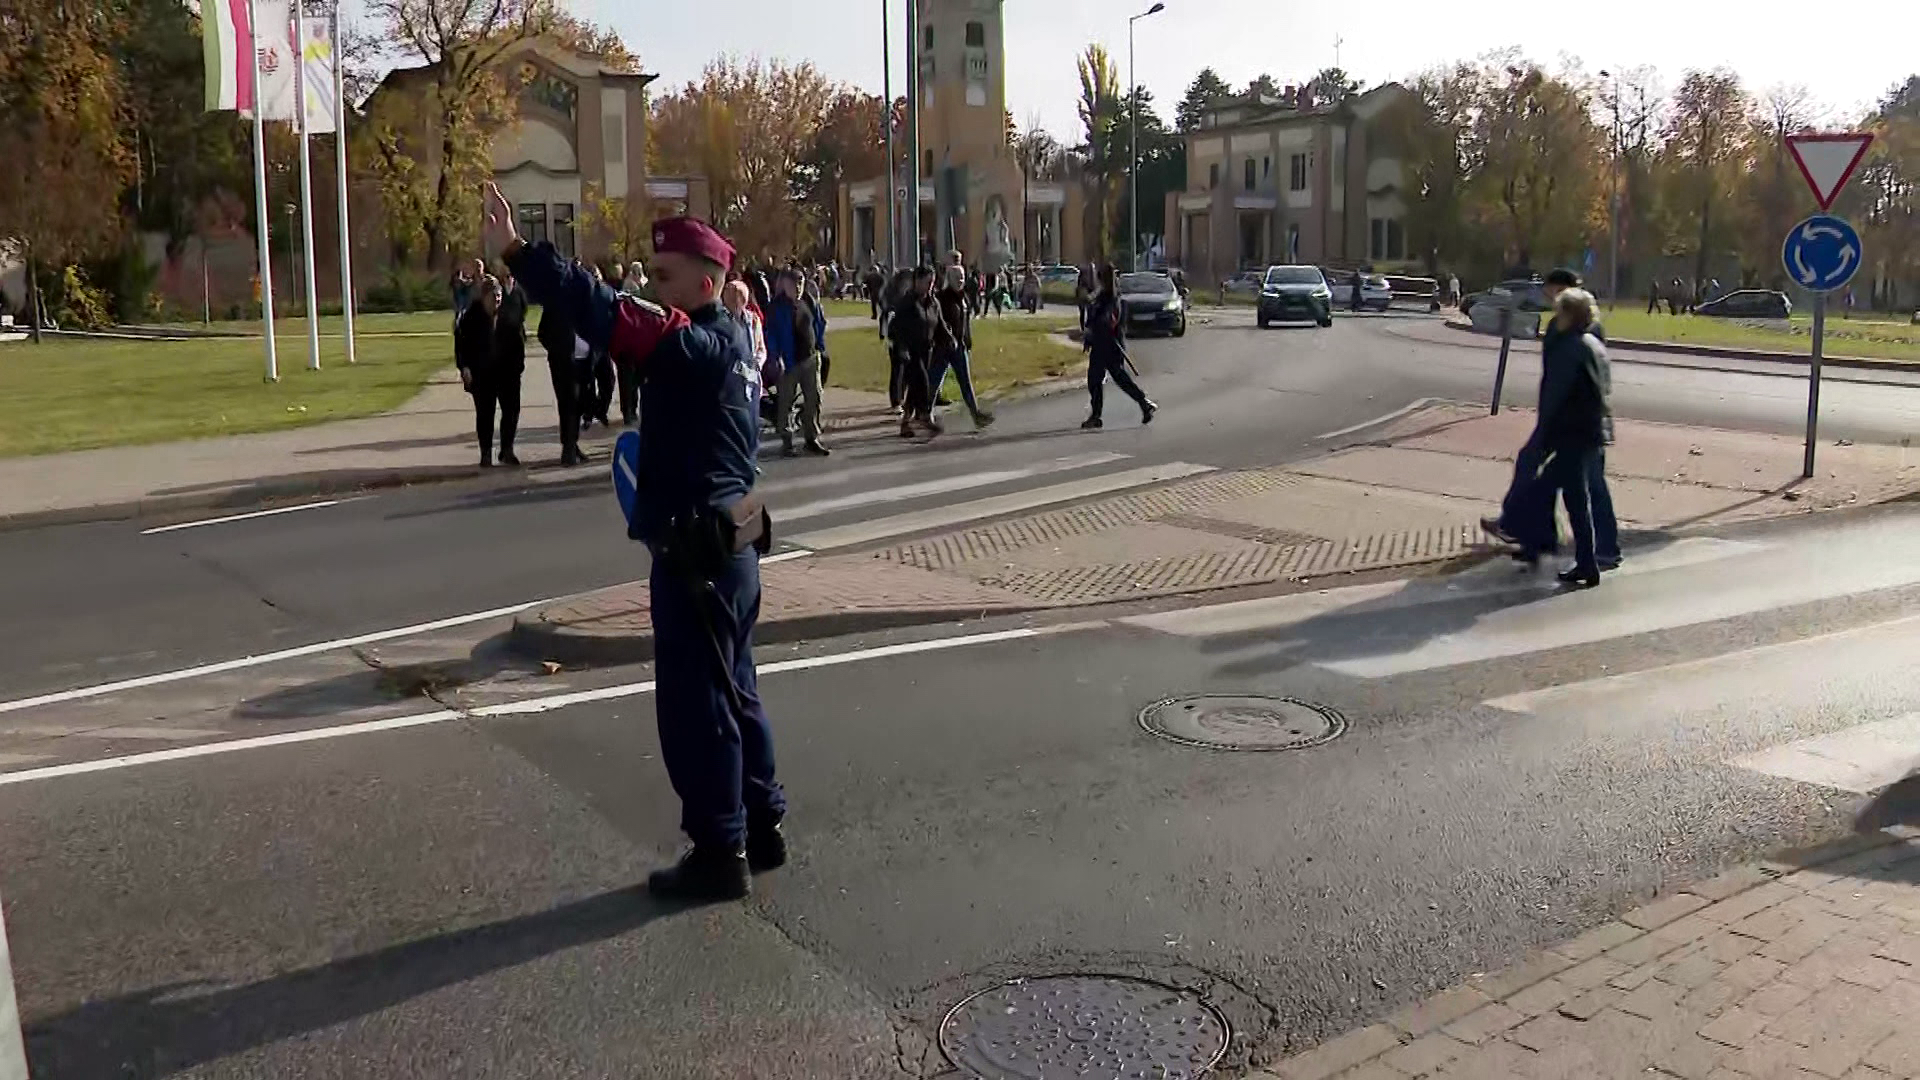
<point x="496" y="220"/>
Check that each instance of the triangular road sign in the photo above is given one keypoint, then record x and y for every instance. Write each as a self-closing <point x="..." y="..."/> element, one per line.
<point x="1828" y="161"/>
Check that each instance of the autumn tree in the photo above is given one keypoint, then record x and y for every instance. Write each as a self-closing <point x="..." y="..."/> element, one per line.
<point x="749" y="127"/>
<point x="1100" y="117"/>
<point x="602" y="43"/>
<point x="433" y="144"/>
<point x="1887" y="188"/>
<point x="625" y="224"/>
<point x="1771" y="194"/>
<point x="1706" y="144"/>
<point x="1542" y="157"/>
<point x="1433" y="130"/>
<point x="1206" y="93"/>
<point x="64" y="155"/>
<point x="849" y="143"/>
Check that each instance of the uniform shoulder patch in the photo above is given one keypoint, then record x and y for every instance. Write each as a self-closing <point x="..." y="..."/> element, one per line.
<point x="644" y="304"/>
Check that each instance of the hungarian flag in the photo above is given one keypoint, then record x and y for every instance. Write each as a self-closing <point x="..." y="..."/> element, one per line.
<point x="230" y="35"/>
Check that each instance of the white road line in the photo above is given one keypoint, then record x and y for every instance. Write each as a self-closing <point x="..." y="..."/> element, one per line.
<point x="264" y="658"/>
<point x="1412" y="406"/>
<point x="276" y="511"/>
<point x="995" y="506"/>
<point x="943" y="485"/>
<point x="20" y="759"/>
<point x="1861" y="759"/>
<point x="526" y="707"/>
<point x="786" y="556"/>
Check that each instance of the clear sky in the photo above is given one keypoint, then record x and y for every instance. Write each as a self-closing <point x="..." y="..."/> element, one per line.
<point x="1767" y="44"/>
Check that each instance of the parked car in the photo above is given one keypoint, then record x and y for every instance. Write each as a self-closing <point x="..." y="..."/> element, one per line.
<point x="1423" y="292"/>
<point x="1246" y="281"/>
<point x="1748" y="304"/>
<point x="1059" y="275"/>
<point x="1528" y="295"/>
<point x="1375" y="293"/>
<point x="1152" y="303"/>
<point x="1293" y="293"/>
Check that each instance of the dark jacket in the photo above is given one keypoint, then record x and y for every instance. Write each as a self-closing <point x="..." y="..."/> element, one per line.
<point x="792" y="332"/>
<point x="956" y="320"/>
<point x="916" y="325"/>
<point x="510" y="333"/>
<point x="1575" y="386"/>
<point x="1106" y="327"/>
<point x="473" y="338"/>
<point x="556" y="336"/>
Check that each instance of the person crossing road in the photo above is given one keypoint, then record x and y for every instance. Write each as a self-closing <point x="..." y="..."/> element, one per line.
<point x="1106" y="348"/>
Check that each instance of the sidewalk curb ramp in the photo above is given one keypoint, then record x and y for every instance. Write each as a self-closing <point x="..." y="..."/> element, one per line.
<point x="1864" y="363"/>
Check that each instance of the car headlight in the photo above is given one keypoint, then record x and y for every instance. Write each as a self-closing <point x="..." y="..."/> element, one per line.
<point x="1173" y="304"/>
<point x="1323" y="294"/>
<point x="1270" y="292"/>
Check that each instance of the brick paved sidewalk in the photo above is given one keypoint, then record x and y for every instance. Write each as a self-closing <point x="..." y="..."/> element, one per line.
<point x="1772" y="971"/>
<point x="1410" y="494"/>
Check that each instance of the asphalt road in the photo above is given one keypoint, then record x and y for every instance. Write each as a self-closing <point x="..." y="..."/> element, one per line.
<point x="92" y="603"/>
<point x="455" y="898"/>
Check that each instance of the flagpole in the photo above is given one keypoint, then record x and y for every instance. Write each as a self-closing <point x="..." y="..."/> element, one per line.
<point x="306" y="180"/>
<point x="340" y="170"/>
<point x="260" y="199"/>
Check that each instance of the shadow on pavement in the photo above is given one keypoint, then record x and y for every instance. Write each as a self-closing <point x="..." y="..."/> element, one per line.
<point x="386" y="684"/>
<point x="169" y="1029"/>
<point x="1425" y="608"/>
<point x="1897" y="804"/>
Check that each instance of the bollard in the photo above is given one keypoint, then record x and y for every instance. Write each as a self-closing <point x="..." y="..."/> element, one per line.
<point x="13" y="1051"/>
<point x="1506" y="345"/>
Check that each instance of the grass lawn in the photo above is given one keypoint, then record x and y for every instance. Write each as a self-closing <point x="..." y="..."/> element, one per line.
<point x="1845" y="337"/>
<point x="837" y="308"/>
<point x="330" y="325"/>
<point x="76" y="395"/>
<point x="1008" y="352"/>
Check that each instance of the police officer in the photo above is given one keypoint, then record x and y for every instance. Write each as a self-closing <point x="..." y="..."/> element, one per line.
<point x="705" y="531"/>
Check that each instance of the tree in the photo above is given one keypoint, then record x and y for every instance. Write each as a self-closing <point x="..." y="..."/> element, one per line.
<point x="1206" y="93"/>
<point x="1099" y="110"/>
<point x="64" y="155"/>
<point x="1264" y="86"/>
<point x="1332" y="86"/>
<point x="1162" y="165"/>
<point x="849" y="143"/>
<point x="1038" y="155"/>
<point x="1887" y="191"/>
<point x="602" y="43"/>
<point x="434" y="147"/>
<point x="749" y="127"/>
<point x="626" y="226"/>
<point x="1771" y="194"/>
<point x="1434" y="130"/>
<point x="1543" y="157"/>
<point x="1706" y="141"/>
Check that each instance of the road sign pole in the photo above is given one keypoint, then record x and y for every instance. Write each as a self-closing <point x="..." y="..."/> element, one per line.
<point x="1813" y="380"/>
<point x="1506" y="346"/>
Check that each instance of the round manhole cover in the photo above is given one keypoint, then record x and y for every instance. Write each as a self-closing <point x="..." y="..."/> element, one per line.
<point x="1084" y="1026"/>
<point x="1242" y="722"/>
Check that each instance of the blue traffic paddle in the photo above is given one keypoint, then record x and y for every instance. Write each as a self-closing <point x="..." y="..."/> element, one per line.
<point x="626" y="475"/>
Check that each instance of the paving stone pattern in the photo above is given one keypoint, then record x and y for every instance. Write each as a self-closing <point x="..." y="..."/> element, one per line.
<point x="1808" y="971"/>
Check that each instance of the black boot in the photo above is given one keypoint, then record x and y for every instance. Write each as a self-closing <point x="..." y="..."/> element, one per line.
<point x="1091" y="423"/>
<point x="703" y="875"/>
<point x="766" y="847"/>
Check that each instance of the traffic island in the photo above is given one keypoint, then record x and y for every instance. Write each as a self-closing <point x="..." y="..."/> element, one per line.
<point x="1407" y="493"/>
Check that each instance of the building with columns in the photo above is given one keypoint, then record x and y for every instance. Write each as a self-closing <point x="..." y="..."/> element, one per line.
<point x="579" y="135"/>
<point x="1287" y="179"/>
<point x="968" y="189"/>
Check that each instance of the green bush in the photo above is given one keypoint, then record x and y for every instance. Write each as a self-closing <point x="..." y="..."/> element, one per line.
<point x="80" y="304"/>
<point x="404" y="291"/>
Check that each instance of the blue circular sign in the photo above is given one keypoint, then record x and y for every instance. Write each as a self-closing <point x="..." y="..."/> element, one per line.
<point x="1822" y="253"/>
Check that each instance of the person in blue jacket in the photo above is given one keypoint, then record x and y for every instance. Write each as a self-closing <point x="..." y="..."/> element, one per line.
<point x="704" y="528"/>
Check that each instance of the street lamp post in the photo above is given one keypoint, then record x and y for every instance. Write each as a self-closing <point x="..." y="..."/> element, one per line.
<point x="1133" y="144"/>
<point x="1613" y="208"/>
<point x="886" y="83"/>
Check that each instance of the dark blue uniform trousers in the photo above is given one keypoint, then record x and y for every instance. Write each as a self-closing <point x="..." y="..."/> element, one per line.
<point x="715" y="739"/>
<point x="1527" y="511"/>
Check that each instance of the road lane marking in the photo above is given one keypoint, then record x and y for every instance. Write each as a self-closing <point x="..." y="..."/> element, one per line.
<point x="943" y="485"/>
<point x="1413" y="406"/>
<point x="1861" y="759"/>
<point x="238" y="663"/>
<point x="525" y="707"/>
<point x="255" y="514"/>
<point x="786" y="556"/>
<point x="995" y="506"/>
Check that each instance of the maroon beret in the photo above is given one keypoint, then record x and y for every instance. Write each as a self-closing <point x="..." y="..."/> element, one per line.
<point x="691" y="236"/>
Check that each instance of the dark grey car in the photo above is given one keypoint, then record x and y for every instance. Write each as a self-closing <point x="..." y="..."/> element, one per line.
<point x="1152" y="304"/>
<point x="1294" y="294"/>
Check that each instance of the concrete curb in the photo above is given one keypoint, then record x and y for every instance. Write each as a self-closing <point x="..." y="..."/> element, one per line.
<point x="1864" y="363"/>
<point x="532" y="636"/>
<point x="242" y="496"/>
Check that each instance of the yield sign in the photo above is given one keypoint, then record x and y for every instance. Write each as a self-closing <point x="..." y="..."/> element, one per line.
<point x="1828" y="161"/>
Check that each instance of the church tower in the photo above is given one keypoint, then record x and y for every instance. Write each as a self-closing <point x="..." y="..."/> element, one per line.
<point x="963" y="131"/>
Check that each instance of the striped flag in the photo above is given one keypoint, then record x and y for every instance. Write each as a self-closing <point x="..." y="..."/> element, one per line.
<point x="227" y="36"/>
<point x="316" y="67"/>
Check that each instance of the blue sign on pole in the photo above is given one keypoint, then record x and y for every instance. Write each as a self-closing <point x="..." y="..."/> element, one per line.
<point x="1822" y="253"/>
<point x="626" y="474"/>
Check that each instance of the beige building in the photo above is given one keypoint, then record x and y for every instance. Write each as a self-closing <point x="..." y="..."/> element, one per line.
<point x="580" y="132"/>
<point x="1278" y="180"/>
<point x="970" y="192"/>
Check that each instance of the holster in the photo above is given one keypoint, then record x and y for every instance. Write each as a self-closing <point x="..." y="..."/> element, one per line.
<point x="703" y="541"/>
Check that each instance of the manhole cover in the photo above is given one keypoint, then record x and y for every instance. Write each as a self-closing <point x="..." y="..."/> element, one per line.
<point x="1242" y="722"/>
<point x="1083" y="1026"/>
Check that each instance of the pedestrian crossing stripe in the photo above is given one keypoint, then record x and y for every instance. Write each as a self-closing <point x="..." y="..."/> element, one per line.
<point x="1861" y="759"/>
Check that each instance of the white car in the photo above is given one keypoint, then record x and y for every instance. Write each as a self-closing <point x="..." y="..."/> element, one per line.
<point x="1375" y="293"/>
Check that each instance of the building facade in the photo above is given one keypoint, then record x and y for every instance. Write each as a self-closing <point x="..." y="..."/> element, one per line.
<point x="1280" y="180"/>
<point x="577" y="142"/>
<point x="967" y="187"/>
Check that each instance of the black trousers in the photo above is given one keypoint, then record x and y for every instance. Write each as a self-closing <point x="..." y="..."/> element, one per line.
<point x="916" y="396"/>
<point x="1100" y="365"/>
<point x="628" y="376"/>
<point x="498" y="390"/>
<point x="598" y="387"/>
<point x="566" y="399"/>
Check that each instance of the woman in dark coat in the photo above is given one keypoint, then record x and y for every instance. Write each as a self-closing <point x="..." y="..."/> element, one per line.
<point x="476" y="352"/>
<point x="1573" y="424"/>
